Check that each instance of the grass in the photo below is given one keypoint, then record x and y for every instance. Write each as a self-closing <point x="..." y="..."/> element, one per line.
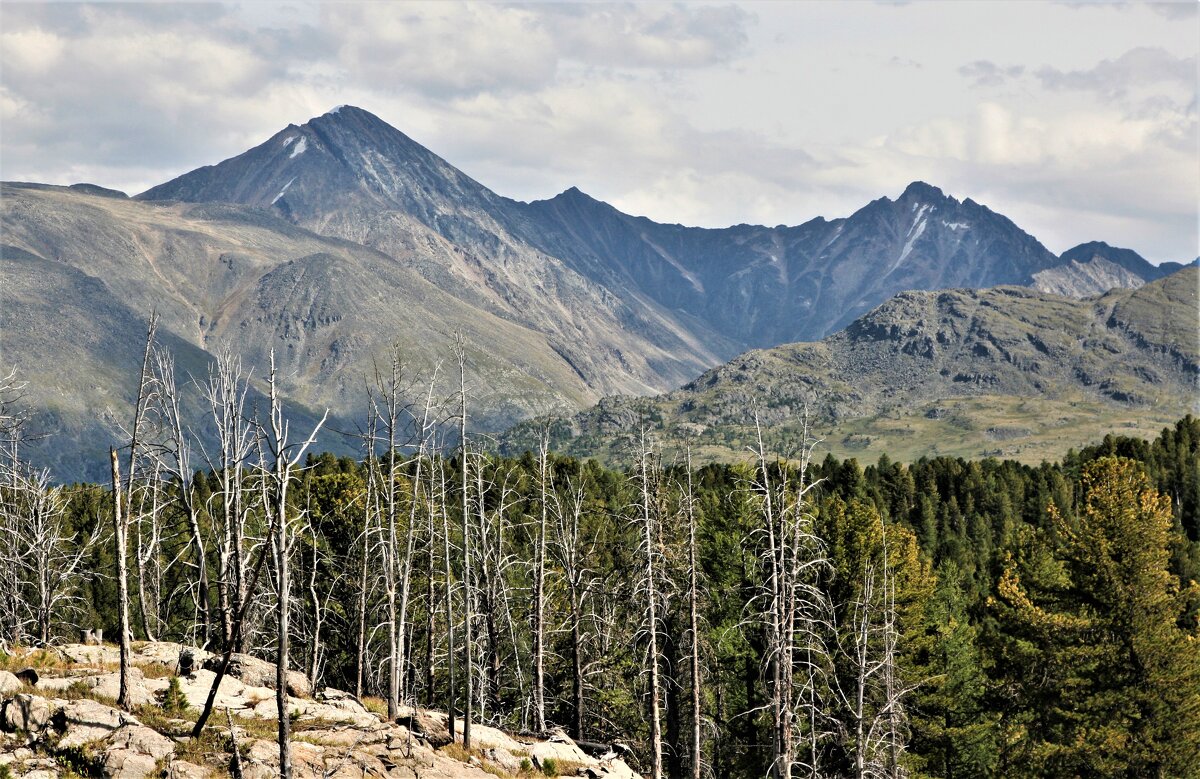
<point x="375" y="705"/>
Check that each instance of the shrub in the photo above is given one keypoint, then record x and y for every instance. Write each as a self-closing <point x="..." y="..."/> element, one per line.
<point x="174" y="701"/>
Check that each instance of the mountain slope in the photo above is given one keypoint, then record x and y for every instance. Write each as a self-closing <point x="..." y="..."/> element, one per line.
<point x="334" y="238"/>
<point x="83" y="271"/>
<point x="771" y="285"/>
<point x="706" y="294"/>
<point x="999" y="371"/>
<point x="349" y="175"/>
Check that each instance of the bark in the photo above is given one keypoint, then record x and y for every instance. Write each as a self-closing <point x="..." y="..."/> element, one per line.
<point x="693" y="619"/>
<point x="539" y="594"/>
<point x="122" y="583"/>
<point x="468" y="674"/>
<point x="649" y="544"/>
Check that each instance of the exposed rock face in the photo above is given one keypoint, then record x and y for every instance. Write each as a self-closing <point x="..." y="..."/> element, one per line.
<point x="1079" y="280"/>
<point x="334" y="734"/>
<point x="259" y="673"/>
<point x="1125" y="352"/>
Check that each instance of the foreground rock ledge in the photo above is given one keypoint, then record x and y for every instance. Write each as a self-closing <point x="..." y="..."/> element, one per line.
<point x="67" y="723"/>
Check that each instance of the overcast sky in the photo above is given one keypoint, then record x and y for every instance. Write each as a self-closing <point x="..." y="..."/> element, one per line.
<point x="1078" y="120"/>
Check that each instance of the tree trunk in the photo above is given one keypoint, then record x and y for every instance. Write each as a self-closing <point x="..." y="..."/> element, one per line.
<point x="694" y="620"/>
<point x="539" y="597"/>
<point x="122" y="584"/>
<point x="649" y="543"/>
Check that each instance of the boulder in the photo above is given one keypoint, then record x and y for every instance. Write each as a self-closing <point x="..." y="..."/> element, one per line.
<point x="430" y="729"/>
<point x="168" y="653"/>
<point x="85" y="721"/>
<point x="127" y="764"/>
<point x="9" y="683"/>
<point x="181" y="769"/>
<point x="139" y="738"/>
<point x="260" y="673"/>
<point x="108" y="685"/>
<point x="88" y="654"/>
<point x="339" y="699"/>
<point x="27" y="713"/>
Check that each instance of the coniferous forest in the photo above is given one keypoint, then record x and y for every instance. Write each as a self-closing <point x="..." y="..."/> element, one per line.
<point x="788" y="615"/>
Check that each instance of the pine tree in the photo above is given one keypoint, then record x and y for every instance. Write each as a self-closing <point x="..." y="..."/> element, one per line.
<point x="1106" y="682"/>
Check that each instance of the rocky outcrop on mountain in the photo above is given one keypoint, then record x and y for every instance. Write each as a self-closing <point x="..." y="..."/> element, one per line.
<point x="911" y="369"/>
<point x="1084" y="279"/>
<point x="66" y="726"/>
<point x="1095" y="268"/>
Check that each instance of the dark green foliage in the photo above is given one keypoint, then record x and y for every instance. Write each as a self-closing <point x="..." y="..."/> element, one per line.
<point x="1043" y="636"/>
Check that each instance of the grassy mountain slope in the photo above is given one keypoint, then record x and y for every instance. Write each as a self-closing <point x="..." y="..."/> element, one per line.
<point x="1006" y="371"/>
<point x="82" y="272"/>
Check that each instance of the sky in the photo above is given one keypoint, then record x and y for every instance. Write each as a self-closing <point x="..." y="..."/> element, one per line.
<point x="1077" y="120"/>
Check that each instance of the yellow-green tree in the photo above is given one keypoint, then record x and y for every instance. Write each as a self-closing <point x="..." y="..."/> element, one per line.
<point x="1098" y="676"/>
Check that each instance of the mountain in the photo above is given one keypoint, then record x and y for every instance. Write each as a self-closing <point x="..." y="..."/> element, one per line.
<point x="712" y="292"/>
<point x="1005" y="371"/>
<point x="349" y="175"/>
<point x="81" y="272"/>
<point x="1095" y="267"/>
<point x="334" y="239"/>
<point x="770" y="285"/>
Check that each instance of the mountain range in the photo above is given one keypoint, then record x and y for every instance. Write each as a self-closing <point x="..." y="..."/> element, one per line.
<point x="334" y="239"/>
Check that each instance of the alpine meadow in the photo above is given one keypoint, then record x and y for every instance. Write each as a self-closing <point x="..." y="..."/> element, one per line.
<point x="321" y="459"/>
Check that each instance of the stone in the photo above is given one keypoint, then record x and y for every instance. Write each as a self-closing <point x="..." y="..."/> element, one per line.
<point x="85" y="654"/>
<point x="9" y="683"/>
<point x="139" y="738"/>
<point x="85" y="721"/>
<point x="169" y="654"/>
<point x="27" y="713"/>
<point x="259" y="673"/>
<point x="427" y="727"/>
<point x="108" y="685"/>
<point x="127" y="764"/>
<point x="181" y="769"/>
<point x="340" y="699"/>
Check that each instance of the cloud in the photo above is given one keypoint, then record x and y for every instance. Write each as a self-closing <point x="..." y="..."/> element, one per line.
<point x="988" y="74"/>
<point x="457" y="49"/>
<point x="1134" y="71"/>
<point x="711" y="113"/>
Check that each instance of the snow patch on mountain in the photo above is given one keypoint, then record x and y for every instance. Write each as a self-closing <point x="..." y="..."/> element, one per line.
<point x="285" y="189"/>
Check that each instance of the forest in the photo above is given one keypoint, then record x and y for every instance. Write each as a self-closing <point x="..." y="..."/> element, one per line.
<point x="785" y="615"/>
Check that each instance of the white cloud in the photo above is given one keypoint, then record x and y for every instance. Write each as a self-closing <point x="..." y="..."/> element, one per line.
<point x="1081" y="121"/>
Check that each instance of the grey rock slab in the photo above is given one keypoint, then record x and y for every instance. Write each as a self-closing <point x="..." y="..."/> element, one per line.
<point x="127" y="764"/>
<point x="86" y="721"/>
<point x="27" y="713"/>
<point x="9" y="683"/>
<point x="139" y="738"/>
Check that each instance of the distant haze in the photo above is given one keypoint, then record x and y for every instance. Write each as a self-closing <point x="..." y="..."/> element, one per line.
<point x="1078" y="120"/>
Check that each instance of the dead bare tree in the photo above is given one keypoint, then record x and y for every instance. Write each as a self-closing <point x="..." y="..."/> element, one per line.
<point x="283" y="459"/>
<point x="175" y="455"/>
<point x="122" y="505"/>
<point x="225" y="392"/>
<point x="689" y="511"/>
<point x="872" y="694"/>
<point x="539" y="585"/>
<point x="647" y="476"/>
<point x="572" y="550"/>
<point x="460" y="352"/>
<point x="795" y="607"/>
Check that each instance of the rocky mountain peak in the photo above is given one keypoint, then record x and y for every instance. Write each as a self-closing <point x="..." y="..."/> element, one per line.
<point x="926" y="193"/>
<point x="343" y="159"/>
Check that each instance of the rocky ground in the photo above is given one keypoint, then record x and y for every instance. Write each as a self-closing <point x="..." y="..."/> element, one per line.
<point x="61" y="721"/>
